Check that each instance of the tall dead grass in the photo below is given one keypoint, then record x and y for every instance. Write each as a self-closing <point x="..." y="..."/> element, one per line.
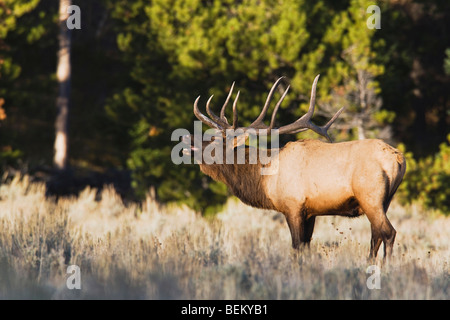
<point x="145" y="251"/>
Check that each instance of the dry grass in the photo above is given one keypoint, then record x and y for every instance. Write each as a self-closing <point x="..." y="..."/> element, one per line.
<point x="148" y="252"/>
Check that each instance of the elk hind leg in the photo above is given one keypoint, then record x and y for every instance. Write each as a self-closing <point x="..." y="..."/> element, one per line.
<point x="375" y="241"/>
<point x="309" y="229"/>
<point x="382" y="231"/>
<point x="388" y="236"/>
<point x="374" y="202"/>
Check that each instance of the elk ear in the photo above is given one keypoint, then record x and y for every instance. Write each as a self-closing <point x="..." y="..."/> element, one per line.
<point x="240" y="140"/>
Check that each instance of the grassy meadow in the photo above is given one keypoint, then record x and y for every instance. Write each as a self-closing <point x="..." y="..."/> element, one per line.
<point x="147" y="251"/>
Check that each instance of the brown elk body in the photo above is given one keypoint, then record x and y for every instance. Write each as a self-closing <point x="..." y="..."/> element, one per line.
<point x="315" y="178"/>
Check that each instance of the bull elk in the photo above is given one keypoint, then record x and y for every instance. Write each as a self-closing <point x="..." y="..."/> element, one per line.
<point x="314" y="178"/>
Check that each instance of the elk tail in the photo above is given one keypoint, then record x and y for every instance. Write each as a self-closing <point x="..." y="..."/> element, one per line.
<point x="401" y="169"/>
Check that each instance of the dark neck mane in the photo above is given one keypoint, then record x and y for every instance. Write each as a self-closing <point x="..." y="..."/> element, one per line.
<point x="244" y="180"/>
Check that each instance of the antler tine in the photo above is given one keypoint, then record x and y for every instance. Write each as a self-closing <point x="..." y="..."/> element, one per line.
<point x="258" y="122"/>
<point x="208" y="109"/>
<point x="222" y="111"/>
<point x="200" y="116"/>
<point x="329" y="123"/>
<point x="213" y="115"/>
<point x="235" y="114"/>
<point x="275" y="110"/>
<point x="312" y="101"/>
<point x="324" y="129"/>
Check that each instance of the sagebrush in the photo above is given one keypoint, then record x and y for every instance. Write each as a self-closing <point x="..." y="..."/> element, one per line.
<point x="145" y="251"/>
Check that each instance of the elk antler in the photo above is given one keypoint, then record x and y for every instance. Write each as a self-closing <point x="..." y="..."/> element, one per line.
<point x="302" y="124"/>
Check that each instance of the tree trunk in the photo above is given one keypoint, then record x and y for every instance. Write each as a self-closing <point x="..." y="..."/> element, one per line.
<point x="63" y="76"/>
<point x="362" y="88"/>
<point x="360" y="128"/>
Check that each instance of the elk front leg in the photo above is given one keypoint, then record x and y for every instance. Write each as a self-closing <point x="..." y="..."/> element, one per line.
<point x="301" y="229"/>
<point x="296" y="226"/>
